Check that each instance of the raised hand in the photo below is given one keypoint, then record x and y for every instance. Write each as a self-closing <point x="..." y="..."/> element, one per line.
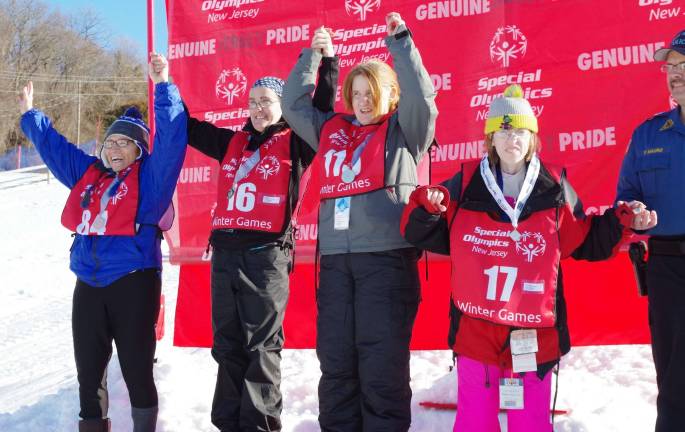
<point x="26" y="98"/>
<point x="158" y="68"/>
<point x="323" y="41"/>
<point x="393" y="21"/>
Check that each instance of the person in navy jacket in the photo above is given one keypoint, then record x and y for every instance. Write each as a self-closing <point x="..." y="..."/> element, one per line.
<point x="120" y="201"/>
<point x="653" y="172"/>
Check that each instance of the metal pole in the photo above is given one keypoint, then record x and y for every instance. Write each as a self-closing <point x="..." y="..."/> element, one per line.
<point x="78" y="117"/>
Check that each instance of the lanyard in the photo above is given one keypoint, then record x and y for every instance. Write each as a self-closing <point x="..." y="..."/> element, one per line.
<point x="109" y="192"/>
<point x="524" y="194"/>
<point x="113" y="189"/>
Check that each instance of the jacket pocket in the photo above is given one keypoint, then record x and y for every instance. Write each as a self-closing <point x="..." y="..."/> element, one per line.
<point x="653" y="173"/>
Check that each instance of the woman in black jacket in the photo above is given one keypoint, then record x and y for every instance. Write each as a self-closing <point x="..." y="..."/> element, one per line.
<point x="251" y="237"/>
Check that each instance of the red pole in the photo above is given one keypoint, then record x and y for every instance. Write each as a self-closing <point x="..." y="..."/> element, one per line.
<point x="18" y="156"/>
<point x="159" y="327"/>
<point x="150" y="84"/>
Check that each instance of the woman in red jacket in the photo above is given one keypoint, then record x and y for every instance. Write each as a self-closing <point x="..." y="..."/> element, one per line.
<point x="506" y="221"/>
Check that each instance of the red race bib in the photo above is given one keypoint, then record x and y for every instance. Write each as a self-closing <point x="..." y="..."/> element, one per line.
<point x="253" y="186"/>
<point x="103" y="204"/>
<point x="501" y="280"/>
<point x="351" y="159"/>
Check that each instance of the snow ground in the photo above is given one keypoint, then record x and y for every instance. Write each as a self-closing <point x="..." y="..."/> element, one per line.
<point x="606" y="388"/>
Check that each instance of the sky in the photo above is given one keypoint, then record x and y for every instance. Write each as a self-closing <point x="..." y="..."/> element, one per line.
<point x="123" y="19"/>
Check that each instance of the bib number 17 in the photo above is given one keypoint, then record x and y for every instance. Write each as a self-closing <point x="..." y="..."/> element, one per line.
<point x="493" y="276"/>
<point x="339" y="159"/>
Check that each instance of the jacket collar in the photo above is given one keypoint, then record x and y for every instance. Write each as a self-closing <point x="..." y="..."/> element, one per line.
<point x="547" y="193"/>
<point x="258" y="138"/>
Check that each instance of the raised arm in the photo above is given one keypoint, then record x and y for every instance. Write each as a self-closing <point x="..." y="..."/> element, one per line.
<point x="63" y="159"/>
<point x="326" y="88"/>
<point x="164" y="165"/>
<point x="303" y="117"/>
<point x="417" y="110"/>
<point x="208" y="138"/>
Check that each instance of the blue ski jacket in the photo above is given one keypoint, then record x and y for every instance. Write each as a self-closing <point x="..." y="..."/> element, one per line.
<point x="101" y="260"/>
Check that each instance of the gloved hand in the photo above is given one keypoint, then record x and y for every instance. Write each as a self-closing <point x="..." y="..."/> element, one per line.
<point x="635" y="215"/>
<point x="434" y="199"/>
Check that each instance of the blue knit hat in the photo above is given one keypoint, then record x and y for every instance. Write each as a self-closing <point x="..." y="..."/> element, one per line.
<point x="274" y="83"/>
<point x="131" y="124"/>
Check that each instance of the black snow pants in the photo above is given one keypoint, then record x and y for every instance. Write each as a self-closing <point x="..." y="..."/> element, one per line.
<point x="250" y="290"/>
<point x="366" y="306"/>
<point x="666" y="284"/>
<point x="125" y="311"/>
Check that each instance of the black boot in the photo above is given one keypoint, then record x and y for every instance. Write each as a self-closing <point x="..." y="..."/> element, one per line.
<point x="94" y="425"/>
<point x="144" y="419"/>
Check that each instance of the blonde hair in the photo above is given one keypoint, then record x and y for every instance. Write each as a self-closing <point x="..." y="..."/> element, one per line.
<point x="379" y="74"/>
<point x="533" y="147"/>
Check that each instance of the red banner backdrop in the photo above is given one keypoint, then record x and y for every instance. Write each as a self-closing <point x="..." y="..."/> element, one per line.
<point x="585" y="66"/>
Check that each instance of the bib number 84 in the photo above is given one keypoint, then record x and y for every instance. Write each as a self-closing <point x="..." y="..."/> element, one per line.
<point x="493" y="276"/>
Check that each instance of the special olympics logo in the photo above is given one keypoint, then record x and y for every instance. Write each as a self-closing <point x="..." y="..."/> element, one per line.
<point x="269" y="166"/>
<point x="230" y="168"/>
<point x="507" y="43"/>
<point x="361" y="7"/>
<point x="531" y="245"/>
<point x="231" y="84"/>
<point x="340" y="138"/>
<point x="122" y="191"/>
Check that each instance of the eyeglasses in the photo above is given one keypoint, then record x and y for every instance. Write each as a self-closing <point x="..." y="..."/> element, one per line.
<point x="121" y="143"/>
<point x="264" y="103"/>
<point x="521" y="134"/>
<point x="673" y="68"/>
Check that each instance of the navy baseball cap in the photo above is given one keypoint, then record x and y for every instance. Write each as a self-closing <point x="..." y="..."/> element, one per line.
<point x="677" y="44"/>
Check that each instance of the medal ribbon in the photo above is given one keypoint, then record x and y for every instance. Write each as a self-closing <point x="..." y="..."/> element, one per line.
<point x="524" y="194"/>
<point x="357" y="146"/>
<point x="247" y="164"/>
<point x="107" y="194"/>
<point x="361" y="137"/>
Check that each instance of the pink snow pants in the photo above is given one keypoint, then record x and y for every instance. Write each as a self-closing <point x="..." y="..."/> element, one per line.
<point x="478" y="400"/>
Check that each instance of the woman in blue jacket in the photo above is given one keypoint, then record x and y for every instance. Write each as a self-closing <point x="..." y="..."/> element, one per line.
<point x="118" y="206"/>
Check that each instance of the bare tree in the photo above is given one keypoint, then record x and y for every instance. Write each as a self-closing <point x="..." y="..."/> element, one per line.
<point x="77" y="74"/>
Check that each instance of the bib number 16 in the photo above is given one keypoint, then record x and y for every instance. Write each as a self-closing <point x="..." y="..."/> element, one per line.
<point x="243" y="199"/>
<point x="493" y="275"/>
